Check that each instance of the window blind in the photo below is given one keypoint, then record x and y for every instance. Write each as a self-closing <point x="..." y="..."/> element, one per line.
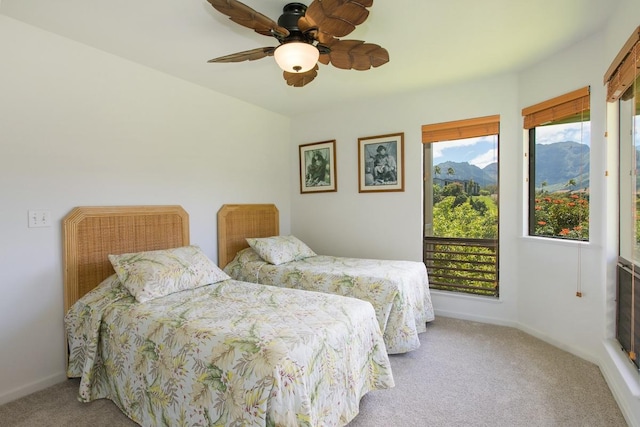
<point x="461" y="129"/>
<point x="622" y="72"/>
<point x="558" y="108"/>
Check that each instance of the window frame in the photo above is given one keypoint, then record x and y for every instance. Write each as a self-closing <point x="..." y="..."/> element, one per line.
<point x="571" y="107"/>
<point x="449" y="131"/>
<point x="622" y="76"/>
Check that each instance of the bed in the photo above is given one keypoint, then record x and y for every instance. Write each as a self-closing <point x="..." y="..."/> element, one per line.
<point x="398" y="290"/>
<point x="168" y="349"/>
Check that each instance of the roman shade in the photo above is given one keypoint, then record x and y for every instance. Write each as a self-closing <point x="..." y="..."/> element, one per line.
<point x="558" y="108"/>
<point x="460" y="129"/>
<point x="623" y="70"/>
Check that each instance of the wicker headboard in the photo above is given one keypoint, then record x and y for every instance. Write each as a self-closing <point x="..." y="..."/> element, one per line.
<point x="237" y="222"/>
<point x="92" y="233"/>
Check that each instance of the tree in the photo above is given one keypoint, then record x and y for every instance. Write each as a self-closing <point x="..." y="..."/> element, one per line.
<point x="470" y="187"/>
<point x="453" y="189"/>
<point x="462" y="220"/>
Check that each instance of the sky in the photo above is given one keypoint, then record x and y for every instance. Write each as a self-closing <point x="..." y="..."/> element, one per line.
<point x="576" y="132"/>
<point x="477" y="151"/>
<point x="483" y="151"/>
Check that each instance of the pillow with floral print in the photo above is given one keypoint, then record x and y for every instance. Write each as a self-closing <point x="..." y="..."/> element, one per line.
<point x="280" y="249"/>
<point x="154" y="274"/>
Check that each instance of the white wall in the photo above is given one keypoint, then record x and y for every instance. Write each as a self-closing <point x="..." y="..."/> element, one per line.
<point x="538" y="277"/>
<point x="622" y="376"/>
<point x="551" y="272"/>
<point x="389" y="225"/>
<point x="81" y="127"/>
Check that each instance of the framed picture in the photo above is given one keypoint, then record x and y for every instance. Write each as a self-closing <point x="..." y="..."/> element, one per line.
<point x="318" y="167"/>
<point x="381" y="163"/>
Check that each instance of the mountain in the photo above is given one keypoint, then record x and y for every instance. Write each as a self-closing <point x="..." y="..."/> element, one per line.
<point x="491" y="169"/>
<point x="556" y="164"/>
<point x="560" y="162"/>
<point x="464" y="171"/>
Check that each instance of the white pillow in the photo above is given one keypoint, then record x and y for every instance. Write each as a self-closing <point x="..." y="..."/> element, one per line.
<point x="280" y="249"/>
<point x="154" y="274"/>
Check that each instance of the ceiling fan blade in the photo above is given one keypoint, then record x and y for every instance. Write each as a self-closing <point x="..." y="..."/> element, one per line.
<point x="300" y="79"/>
<point x="242" y="14"/>
<point x="355" y="54"/>
<point x="334" y="18"/>
<point x="247" y="55"/>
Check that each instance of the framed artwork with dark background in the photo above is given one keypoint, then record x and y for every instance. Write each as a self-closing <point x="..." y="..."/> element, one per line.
<point x="318" y="167"/>
<point x="381" y="163"/>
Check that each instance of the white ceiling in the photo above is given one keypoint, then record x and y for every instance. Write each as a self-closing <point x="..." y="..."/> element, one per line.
<point x="430" y="42"/>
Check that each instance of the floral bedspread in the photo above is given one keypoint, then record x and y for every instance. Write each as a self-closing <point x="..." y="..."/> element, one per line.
<point x="398" y="290"/>
<point x="227" y="354"/>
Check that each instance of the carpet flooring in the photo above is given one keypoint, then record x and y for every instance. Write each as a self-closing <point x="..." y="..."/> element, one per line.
<point x="464" y="374"/>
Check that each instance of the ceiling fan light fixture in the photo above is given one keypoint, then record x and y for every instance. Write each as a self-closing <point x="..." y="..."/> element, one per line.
<point x="296" y="57"/>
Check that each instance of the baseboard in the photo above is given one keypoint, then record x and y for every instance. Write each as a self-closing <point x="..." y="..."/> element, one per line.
<point x="533" y="332"/>
<point x="619" y="373"/>
<point x="474" y="318"/>
<point x="559" y="344"/>
<point x="623" y="380"/>
<point x="32" y="387"/>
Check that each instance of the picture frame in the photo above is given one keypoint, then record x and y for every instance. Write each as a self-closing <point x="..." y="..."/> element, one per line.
<point x="318" y="167"/>
<point x="381" y="163"/>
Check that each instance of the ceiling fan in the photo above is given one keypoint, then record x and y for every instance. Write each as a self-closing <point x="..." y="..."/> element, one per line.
<point x="306" y="36"/>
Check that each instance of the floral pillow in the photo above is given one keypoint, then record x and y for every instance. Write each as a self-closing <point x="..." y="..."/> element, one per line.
<point x="280" y="249"/>
<point x="154" y="274"/>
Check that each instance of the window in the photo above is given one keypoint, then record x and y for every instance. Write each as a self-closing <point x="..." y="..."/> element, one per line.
<point x="461" y="205"/>
<point x="623" y="87"/>
<point x="559" y="151"/>
<point x="629" y="104"/>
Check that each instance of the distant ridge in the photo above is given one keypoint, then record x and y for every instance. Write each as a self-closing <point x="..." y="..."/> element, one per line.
<point x="464" y="171"/>
<point x="556" y="164"/>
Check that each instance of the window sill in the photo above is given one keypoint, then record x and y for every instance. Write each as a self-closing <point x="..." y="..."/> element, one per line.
<point x="463" y="295"/>
<point x="557" y="242"/>
<point x="624" y="367"/>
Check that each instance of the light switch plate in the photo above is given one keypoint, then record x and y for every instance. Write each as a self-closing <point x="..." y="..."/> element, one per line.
<point x="39" y="218"/>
